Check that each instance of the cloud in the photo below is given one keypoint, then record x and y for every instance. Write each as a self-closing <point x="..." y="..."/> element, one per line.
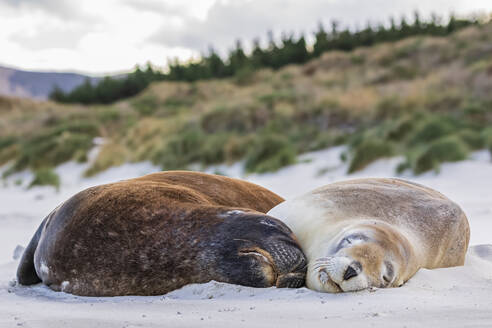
<point x="157" y="7"/>
<point x="61" y="8"/>
<point x="113" y="35"/>
<point x="240" y="19"/>
<point x="46" y="37"/>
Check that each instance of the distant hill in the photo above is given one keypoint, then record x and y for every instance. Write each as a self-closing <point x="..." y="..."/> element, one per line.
<point x="36" y="85"/>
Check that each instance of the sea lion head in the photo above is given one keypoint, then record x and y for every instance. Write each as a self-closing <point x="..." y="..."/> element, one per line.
<point x="260" y="251"/>
<point x="363" y="256"/>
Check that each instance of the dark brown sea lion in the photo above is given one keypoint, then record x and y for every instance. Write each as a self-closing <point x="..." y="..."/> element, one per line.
<point x="157" y="233"/>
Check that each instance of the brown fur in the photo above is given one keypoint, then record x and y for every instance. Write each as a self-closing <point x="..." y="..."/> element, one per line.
<point x="196" y="187"/>
<point x="156" y="233"/>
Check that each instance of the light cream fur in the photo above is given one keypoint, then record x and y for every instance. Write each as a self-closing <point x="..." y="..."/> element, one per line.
<point x="385" y="229"/>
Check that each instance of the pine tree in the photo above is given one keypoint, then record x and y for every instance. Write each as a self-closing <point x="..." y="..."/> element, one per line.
<point x="57" y="94"/>
<point x="214" y="64"/>
<point x="277" y="54"/>
<point x="321" y="41"/>
<point x="259" y="57"/>
<point x="237" y="58"/>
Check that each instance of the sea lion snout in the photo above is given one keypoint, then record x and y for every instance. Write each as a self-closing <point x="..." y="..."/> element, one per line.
<point x="291" y="265"/>
<point x="336" y="274"/>
<point x="350" y="272"/>
<point x="288" y="259"/>
<point x="266" y="251"/>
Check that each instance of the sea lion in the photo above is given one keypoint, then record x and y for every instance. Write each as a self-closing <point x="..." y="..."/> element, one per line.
<point x="159" y="232"/>
<point x="374" y="232"/>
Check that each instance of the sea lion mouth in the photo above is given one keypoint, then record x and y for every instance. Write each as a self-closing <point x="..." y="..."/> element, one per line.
<point x="291" y="280"/>
<point x="282" y="271"/>
<point x="325" y="279"/>
<point x="322" y="268"/>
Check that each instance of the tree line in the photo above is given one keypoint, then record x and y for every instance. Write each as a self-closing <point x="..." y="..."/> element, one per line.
<point x="288" y="50"/>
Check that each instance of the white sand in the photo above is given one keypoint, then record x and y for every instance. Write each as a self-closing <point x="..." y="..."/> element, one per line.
<point x="453" y="297"/>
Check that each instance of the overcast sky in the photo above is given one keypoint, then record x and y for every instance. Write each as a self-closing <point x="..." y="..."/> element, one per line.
<point x="102" y="36"/>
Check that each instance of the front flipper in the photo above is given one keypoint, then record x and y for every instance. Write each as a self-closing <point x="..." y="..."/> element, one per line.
<point x="26" y="272"/>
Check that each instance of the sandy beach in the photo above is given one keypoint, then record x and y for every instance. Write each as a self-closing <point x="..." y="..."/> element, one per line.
<point x="452" y="297"/>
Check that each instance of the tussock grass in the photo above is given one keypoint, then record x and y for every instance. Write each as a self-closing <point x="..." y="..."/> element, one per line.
<point x="111" y="155"/>
<point x="446" y="149"/>
<point x="426" y="98"/>
<point x="56" y="145"/>
<point x="45" y="177"/>
<point x="487" y="137"/>
<point x="431" y="129"/>
<point x="369" y="150"/>
<point x="472" y="138"/>
<point x="269" y="153"/>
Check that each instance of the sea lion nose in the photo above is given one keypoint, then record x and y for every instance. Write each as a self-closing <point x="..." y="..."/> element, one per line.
<point x="349" y="273"/>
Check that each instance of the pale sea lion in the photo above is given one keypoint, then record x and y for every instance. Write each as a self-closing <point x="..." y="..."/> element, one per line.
<point x="157" y="233"/>
<point x="374" y="232"/>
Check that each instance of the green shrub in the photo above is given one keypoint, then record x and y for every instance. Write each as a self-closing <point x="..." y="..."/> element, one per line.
<point x="179" y="101"/>
<point x="402" y="167"/>
<point x="367" y="151"/>
<point x="403" y="72"/>
<point x="8" y="149"/>
<point x="270" y="99"/>
<point x="77" y="126"/>
<point x="192" y="145"/>
<point x="145" y="105"/>
<point x="431" y="129"/>
<point x="181" y="149"/>
<point x="487" y="138"/>
<point x="7" y="141"/>
<point x="234" y="119"/>
<point x="401" y="128"/>
<point x="8" y="155"/>
<point x="446" y="149"/>
<point x="212" y="151"/>
<point x="389" y="106"/>
<point x="244" y="76"/>
<point x="52" y="149"/>
<point x="45" y="177"/>
<point x="402" y="51"/>
<point x="476" y="114"/>
<point x="237" y="147"/>
<point x="323" y="140"/>
<point x="358" y="59"/>
<point x="111" y="154"/>
<point x="269" y="153"/>
<point x="472" y="138"/>
<point x="108" y="115"/>
<point x="301" y="136"/>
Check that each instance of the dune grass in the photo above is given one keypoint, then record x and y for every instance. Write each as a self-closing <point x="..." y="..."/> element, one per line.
<point x="427" y="99"/>
<point x="45" y="177"/>
<point x="367" y="151"/>
<point x="445" y="149"/>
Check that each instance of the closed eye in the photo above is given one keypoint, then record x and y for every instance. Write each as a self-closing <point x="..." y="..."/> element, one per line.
<point x="351" y="240"/>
